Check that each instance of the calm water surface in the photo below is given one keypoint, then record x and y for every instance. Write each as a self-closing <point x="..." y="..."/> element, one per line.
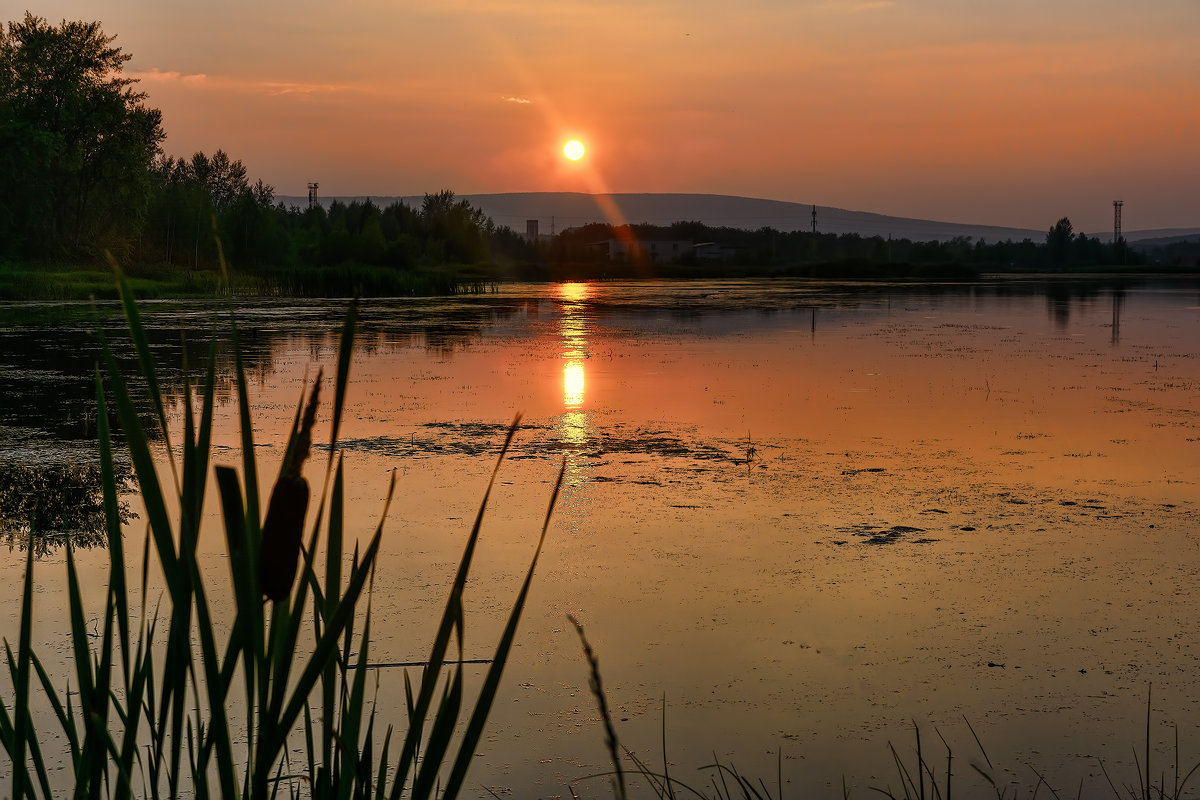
<point x="807" y="516"/>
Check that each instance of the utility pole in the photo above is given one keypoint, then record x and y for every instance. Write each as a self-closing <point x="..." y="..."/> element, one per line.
<point x="1117" y="206"/>
<point x="812" y="240"/>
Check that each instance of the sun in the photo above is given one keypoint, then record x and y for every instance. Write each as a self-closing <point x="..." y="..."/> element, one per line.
<point x="573" y="149"/>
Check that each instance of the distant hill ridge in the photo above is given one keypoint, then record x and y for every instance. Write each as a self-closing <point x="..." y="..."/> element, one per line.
<point x="555" y="211"/>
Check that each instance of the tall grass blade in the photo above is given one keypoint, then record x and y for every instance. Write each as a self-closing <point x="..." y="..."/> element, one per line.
<point x="327" y="644"/>
<point x="438" y="743"/>
<point x="451" y="616"/>
<point x="112" y="523"/>
<point x="491" y="682"/>
<point x="610" y="733"/>
<point x="17" y="743"/>
<point x="345" y="349"/>
<point x="141" y="344"/>
<point x="1149" y="688"/>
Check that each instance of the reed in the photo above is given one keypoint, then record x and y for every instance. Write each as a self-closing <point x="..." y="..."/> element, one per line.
<point x="165" y="702"/>
<point x="923" y="779"/>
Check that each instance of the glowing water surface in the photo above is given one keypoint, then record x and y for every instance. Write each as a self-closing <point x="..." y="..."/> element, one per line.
<point x="805" y="515"/>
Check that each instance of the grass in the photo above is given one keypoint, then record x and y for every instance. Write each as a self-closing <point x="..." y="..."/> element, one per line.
<point x="62" y="282"/>
<point x="164" y="701"/>
<point x="923" y="779"/>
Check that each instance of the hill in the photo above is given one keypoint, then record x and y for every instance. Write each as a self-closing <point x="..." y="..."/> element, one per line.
<point x="555" y="211"/>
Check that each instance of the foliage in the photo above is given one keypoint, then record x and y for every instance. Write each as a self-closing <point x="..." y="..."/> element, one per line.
<point x="167" y="701"/>
<point x="190" y="197"/>
<point x="767" y="251"/>
<point x="1059" y="240"/>
<point x="76" y="141"/>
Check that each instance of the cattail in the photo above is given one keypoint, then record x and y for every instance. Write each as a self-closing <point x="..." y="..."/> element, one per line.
<point x="284" y="525"/>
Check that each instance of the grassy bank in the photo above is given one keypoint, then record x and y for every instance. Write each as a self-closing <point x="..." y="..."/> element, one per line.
<point x="62" y="282"/>
<point x="81" y="282"/>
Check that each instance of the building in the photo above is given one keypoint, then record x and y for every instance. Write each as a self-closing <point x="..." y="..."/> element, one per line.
<point x="667" y="251"/>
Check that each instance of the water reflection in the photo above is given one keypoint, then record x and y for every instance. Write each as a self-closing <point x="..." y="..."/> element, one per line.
<point x="905" y="471"/>
<point x="573" y="330"/>
<point x="573" y="384"/>
<point x="42" y="505"/>
<point x="1118" y="303"/>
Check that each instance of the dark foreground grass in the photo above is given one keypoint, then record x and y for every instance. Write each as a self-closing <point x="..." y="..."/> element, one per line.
<point x="165" y="702"/>
<point x="919" y="775"/>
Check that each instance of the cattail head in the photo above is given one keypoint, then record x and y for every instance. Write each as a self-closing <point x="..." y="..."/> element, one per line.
<point x="284" y="525"/>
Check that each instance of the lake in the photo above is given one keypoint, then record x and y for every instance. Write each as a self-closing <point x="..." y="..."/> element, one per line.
<point x="804" y="516"/>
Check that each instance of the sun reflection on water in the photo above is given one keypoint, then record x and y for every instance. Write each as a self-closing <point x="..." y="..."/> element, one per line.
<point x="573" y="384"/>
<point x="573" y="328"/>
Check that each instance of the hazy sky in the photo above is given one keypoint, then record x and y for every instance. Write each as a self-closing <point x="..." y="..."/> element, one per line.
<point x="1010" y="113"/>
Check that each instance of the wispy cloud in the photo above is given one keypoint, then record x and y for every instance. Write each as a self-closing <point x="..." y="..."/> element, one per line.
<point x="858" y="6"/>
<point x="229" y="83"/>
<point x="159" y="76"/>
<point x="519" y="100"/>
<point x="272" y="87"/>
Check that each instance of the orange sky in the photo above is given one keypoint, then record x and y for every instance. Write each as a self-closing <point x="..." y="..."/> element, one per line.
<point x="1013" y="113"/>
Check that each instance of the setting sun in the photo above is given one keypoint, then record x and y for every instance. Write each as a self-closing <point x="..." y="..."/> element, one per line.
<point x="573" y="149"/>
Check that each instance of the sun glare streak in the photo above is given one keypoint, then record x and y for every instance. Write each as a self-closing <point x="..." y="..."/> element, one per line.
<point x="588" y="171"/>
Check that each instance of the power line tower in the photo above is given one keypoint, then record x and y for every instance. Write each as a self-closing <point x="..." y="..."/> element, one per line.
<point x="814" y="221"/>
<point x="312" y="194"/>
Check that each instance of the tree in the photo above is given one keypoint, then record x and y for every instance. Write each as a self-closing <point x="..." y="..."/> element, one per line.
<point x="188" y="195"/>
<point x="223" y="180"/>
<point x="1058" y="241"/>
<point x="77" y="140"/>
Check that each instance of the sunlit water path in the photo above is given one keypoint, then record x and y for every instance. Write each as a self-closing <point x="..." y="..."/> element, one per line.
<point x="805" y="515"/>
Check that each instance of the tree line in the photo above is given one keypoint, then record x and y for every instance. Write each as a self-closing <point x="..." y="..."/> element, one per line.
<point x="83" y="173"/>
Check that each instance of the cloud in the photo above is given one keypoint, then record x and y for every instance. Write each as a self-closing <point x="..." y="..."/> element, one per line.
<point x="237" y="84"/>
<point x="859" y="6"/>
<point x="277" y="88"/>
<point x="156" y="75"/>
<point x="520" y="100"/>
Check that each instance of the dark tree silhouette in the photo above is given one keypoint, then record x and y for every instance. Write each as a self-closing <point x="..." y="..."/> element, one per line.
<point x="76" y="140"/>
<point x="1058" y="242"/>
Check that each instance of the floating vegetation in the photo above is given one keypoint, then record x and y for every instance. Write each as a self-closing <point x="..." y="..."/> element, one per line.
<point x="544" y="441"/>
<point x="874" y="534"/>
